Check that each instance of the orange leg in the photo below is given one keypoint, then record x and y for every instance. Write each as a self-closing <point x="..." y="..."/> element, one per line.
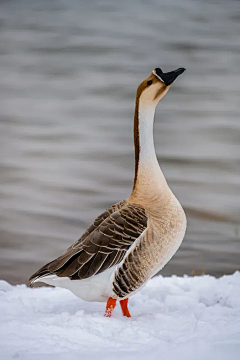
<point x="111" y="303"/>
<point x="124" y="306"/>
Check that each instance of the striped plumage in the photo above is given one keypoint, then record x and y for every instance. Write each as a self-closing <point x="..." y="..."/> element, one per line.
<point x="132" y="240"/>
<point x="102" y="246"/>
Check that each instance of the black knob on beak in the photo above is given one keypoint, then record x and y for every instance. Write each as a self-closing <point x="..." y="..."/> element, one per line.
<point x="168" y="78"/>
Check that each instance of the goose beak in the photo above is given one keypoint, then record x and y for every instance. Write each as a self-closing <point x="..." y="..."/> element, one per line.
<point x="169" y="77"/>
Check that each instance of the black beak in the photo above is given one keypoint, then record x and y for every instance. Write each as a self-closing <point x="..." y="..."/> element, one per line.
<point x="168" y="78"/>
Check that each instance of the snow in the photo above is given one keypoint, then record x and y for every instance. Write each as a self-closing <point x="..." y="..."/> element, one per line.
<point x="181" y="318"/>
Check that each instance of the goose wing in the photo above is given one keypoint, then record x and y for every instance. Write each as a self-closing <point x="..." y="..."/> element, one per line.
<point x="103" y="245"/>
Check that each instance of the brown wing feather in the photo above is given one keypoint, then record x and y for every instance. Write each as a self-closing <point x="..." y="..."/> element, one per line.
<point x="103" y="245"/>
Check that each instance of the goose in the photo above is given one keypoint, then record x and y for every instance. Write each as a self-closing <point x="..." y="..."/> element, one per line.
<point x="134" y="239"/>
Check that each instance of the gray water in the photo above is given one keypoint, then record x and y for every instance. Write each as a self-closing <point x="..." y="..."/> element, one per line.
<point x="68" y="75"/>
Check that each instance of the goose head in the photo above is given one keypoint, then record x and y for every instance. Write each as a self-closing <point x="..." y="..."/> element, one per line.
<point x="156" y="85"/>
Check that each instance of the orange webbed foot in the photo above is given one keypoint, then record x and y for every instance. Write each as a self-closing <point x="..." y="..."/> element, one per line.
<point x="124" y="306"/>
<point x="111" y="303"/>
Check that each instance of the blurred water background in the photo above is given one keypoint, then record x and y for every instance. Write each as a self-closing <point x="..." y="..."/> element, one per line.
<point x="68" y="75"/>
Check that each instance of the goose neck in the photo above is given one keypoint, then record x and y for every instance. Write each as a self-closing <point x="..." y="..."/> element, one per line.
<point x="149" y="180"/>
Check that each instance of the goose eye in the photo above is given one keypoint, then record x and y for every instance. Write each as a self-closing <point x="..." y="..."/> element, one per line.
<point x="149" y="82"/>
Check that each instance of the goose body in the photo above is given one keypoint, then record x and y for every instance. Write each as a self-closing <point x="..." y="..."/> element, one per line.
<point x="133" y="239"/>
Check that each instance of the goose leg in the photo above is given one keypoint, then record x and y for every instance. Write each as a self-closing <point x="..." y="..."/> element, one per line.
<point x="111" y="303"/>
<point x="124" y="306"/>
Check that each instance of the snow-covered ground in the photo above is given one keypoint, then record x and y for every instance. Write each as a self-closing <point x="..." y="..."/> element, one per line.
<point x="183" y="318"/>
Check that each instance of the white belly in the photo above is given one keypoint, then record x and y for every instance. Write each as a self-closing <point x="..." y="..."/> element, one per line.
<point x="95" y="288"/>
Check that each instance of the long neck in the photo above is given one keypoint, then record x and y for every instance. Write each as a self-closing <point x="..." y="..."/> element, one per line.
<point x="149" y="181"/>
